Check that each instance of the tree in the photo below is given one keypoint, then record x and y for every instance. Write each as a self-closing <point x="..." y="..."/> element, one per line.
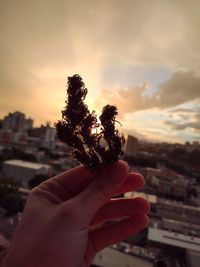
<point x="10" y="198"/>
<point x="36" y="180"/>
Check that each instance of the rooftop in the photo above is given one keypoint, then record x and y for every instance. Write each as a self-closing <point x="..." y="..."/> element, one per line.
<point x="110" y="257"/>
<point x="151" y="198"/>
<point x="174" y="239"/>
<point x="26" y="164"/>
<point x="164" y="201"/>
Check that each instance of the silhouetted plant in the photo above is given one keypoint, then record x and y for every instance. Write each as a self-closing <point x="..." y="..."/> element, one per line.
<point x="75" y="129"/>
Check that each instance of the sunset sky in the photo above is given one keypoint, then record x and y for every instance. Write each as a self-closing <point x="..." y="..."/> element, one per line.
<point x="141" y="55"/>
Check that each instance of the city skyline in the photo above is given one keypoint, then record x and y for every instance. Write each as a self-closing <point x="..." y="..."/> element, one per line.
<point x="27" y="122"/>
<point x="141" y="56"/>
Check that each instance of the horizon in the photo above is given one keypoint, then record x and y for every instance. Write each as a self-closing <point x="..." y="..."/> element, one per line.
<point x="142" y="57"/>
<point x="125" y="133"/>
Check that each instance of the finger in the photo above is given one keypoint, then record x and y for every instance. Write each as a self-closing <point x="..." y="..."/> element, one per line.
<point x="119" y="208"/>
<point x="113" y="233"/>
<point x="133" y="182"/>
<point x="75" y="176"/>
<point x="101" y="189"/>
<point x="69" y="183"/>
<point x="72" y="182"/>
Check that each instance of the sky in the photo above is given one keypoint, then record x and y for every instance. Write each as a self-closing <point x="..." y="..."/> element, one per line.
<point x="143" y="56"/>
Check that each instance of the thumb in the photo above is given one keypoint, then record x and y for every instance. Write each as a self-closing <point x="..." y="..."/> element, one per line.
<point x="101" y="189"/>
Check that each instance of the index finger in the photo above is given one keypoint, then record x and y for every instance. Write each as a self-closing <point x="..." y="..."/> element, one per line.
<point x="71" y="182"/>
<point x="74" y="180"/>
<point x="77" y="179"/>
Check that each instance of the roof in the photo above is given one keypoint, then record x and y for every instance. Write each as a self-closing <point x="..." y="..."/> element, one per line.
<point x="174" y="239"/>
<point x="174" y="203"/>
<point x="110" y="257"/>
<point x="26" y="164"/>
<point x="24" y="190"/>
<point x="151" y="198"/>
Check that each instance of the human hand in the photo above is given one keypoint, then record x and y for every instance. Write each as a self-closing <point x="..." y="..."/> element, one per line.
<point x="62" y="221"/>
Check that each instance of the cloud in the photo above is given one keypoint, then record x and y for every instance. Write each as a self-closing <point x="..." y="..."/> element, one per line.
<point x="126" y="100"/>
<point x="195" y="126"/>
<point x="185" y="119"/>
<point x="181" y="87"/>
<point x="182" y="110"/>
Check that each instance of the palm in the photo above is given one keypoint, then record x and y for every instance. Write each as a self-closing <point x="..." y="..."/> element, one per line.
<point x="66" y="215"/>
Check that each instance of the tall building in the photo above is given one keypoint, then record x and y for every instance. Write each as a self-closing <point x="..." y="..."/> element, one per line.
<point x="131" y="146"/>
<point x="16" y="122"/>
<point x="49" y="137"/>
<point x="28" y="124"/>
<point x="50" y="134"/>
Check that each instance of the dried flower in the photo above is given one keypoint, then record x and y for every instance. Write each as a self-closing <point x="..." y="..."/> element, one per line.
<point x="75" y="129"/>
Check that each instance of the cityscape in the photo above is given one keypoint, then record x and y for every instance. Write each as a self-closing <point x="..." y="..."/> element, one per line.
<point x="29" y="155"/>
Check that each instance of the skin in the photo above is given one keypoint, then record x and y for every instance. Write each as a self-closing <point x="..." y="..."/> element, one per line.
<point x="62" y="223"/>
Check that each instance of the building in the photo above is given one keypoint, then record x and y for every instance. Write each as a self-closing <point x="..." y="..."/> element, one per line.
<point x="166" y="183"/>
<point x="22" y="171"/>
<point x="151" y="198"/>
<point x="131" y="146"/>
<point x="6" y="136"/>
<point x="28" y="124"/>
<point x="172" y="215"/>
<point x="181" y="227"/>
<point x="173" y="239"/>
<point x="24" y="192"/>
<point x="45" y="134"/>
<point x="110" y="257"/>
<point x="192" y="258"/>
<point x="16" y="122"/>
<point x="49" y="137"/>
<point x="177" y="211"/>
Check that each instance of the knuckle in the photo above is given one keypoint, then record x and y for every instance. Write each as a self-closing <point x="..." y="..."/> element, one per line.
<point x="103" y="190"/>
<point x="34" y="191"/>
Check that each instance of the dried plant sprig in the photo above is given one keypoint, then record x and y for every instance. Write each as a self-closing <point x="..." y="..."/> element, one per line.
<point x="111" y="135"/>
<point x="75" y="129"/>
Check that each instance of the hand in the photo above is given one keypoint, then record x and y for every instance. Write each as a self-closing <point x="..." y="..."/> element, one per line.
<point x="62" y="221"/>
